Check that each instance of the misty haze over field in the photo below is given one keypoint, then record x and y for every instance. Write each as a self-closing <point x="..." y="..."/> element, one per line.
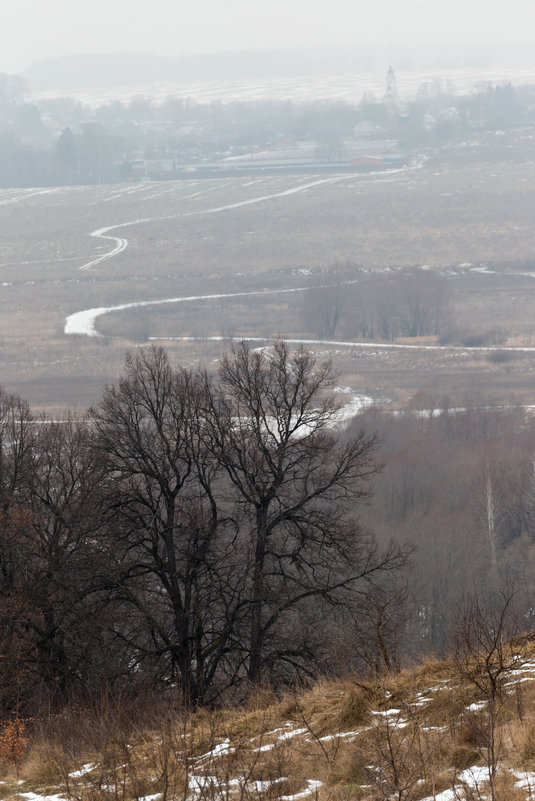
<point x="32" y="30"/>
<point x="87" y="70"/>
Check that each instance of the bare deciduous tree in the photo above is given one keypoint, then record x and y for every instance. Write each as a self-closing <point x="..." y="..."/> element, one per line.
<point x="489" y="647"/>
<point x="162" y="500"/>
<point x="271" y="425"/>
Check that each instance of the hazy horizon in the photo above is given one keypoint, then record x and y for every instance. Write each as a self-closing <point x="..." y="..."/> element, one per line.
<point x="32" y="31"/>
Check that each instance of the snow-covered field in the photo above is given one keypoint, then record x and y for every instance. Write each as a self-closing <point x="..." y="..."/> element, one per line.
<point x="346" y="87"/>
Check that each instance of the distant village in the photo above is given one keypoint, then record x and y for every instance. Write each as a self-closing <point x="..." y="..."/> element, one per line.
<point x="58" y="141"/>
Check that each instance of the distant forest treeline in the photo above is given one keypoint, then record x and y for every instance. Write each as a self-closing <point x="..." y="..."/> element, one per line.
<point x="60" y="141"/>
<point x="77" y="71"/>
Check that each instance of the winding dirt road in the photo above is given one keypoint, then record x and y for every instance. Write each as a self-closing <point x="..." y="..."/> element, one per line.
<point x="83" y="323"/>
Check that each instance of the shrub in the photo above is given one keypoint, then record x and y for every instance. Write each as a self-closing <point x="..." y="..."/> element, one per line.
<point x="501" y="356"/>
<point x="13" y="743"/>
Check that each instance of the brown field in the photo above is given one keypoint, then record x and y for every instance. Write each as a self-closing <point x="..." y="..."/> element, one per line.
<point x="438" y="214"/>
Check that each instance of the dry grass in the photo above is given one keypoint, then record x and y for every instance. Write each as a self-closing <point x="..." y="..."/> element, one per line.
<point x="410" y="733"/>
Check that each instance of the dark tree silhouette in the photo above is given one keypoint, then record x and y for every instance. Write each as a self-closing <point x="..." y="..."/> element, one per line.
<point x="271" y="425"/>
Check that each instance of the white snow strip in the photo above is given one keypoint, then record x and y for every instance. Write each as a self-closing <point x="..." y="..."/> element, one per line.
<point x="263" y="787"/>
<point x="476" y="707"/>
<point x="285" y="193"/>
<point x="269" y="747"/>
<point x="355" y="405"/>
<point x="199" y="784"/>
<point x="287" y="735"/>
<point x="341" y="736"/>
<point x="26" y="194"/>
<point x="293" y="733"/>
<point x="221" y="749"/>
<point x="273" y="732"/>
<point x="82" y="771"/>
<point x="37" y="797"/>
<point x="388" y="712"/>
<point x="122" y="243"/>
<point x="422" y="701"/>
<point x="526" y="780"/>
<point x="333" y="343"/>
<point x="514" y="682"/>
<point x="83" y="322"/>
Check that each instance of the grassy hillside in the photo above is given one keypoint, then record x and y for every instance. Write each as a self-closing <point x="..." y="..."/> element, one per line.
<point x="463" y="729"/>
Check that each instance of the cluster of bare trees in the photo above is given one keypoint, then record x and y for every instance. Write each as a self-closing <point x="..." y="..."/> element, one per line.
<point x="192" y="531"/>
<point x="405" y="303"/>
<point x="204" y="533"/>
<point x="459" y="484"/>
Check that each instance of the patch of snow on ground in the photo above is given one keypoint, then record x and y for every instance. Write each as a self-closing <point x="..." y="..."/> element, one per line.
<point x="82" y="771"/>
<point x="472" y="778"/>
<point x="292" y="733"/>
<point x="392" y="719"/>
<point x="37" y="797"/>
<point x="476" y="707"/>
<point x="263" y="787"/>
<point x="388" y="712"/>
<point x="356" y="404"/>
<point x="199" y="784"/>
<point x="341" y="736"/>
<point x="422" y="700"/>
<point x="222" y="749"/>
<point x="525" y="780"/>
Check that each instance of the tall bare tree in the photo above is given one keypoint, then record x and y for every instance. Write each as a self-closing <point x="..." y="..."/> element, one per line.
<point x="161" y="499"/>
<point x="270" y="422"/>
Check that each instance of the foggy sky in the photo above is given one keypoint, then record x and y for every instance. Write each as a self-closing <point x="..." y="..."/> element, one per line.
<point x="35" y="29"/>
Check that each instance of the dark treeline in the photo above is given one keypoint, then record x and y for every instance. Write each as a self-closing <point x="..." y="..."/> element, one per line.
<point x="190" y="534"/>
<point x="61" y="141"/>
<point x="195" y="536"/>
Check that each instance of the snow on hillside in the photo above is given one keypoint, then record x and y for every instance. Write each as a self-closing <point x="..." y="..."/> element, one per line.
<point x="416" y="736"/>
<point x="350" y="88"/>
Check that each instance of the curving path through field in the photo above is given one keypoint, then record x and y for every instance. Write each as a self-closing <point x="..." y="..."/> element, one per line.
<point x="339" y="343"/>
<point x="83" y="323"/>
<point x="121" y="243"/>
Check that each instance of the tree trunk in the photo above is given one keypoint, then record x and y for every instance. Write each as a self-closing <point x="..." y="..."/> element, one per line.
<point x="257" y="633"/>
